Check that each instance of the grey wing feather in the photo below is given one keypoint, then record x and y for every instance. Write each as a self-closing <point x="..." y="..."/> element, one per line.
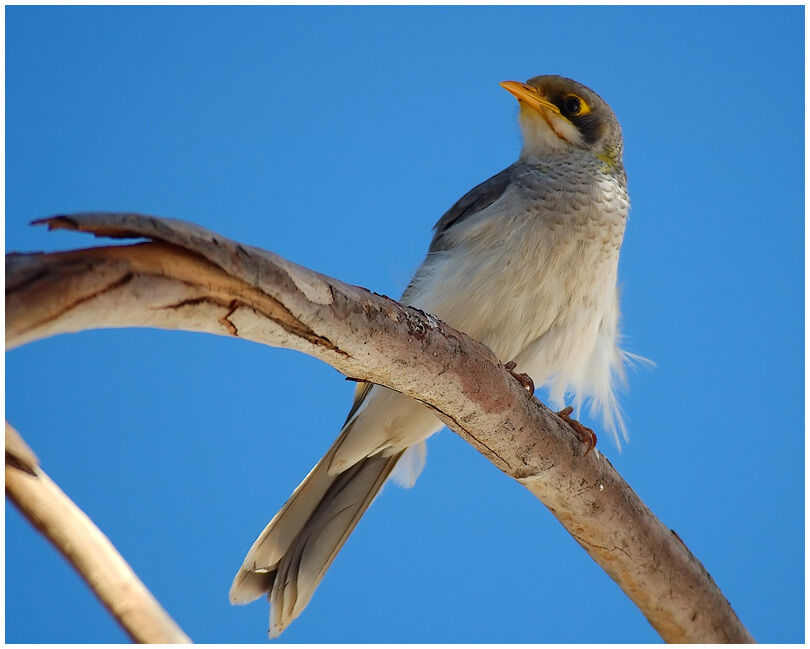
<point x="473" y="201"/>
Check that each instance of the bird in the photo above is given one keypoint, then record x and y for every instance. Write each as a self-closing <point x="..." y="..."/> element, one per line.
<point x="525" y="263"/>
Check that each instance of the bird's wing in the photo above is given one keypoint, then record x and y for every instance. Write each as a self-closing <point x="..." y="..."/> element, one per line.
<point x="446" y="231"/>
<point x="475" y="200"/>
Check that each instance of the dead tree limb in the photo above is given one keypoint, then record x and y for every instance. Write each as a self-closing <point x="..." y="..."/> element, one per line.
<point x="49" y="510"/>
<point x="186" y="277"/>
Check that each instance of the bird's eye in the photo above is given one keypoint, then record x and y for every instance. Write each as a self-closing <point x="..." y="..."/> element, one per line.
<point x="572" y="105"/>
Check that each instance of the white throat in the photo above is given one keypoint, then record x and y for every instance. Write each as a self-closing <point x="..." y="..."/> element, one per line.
<point x="541" y="137"/>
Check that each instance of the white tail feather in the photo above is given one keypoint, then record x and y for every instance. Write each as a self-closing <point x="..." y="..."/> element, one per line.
<point x="292" y="554"/>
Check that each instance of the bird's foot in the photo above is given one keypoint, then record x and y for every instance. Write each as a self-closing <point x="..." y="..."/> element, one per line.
<point x="524" y="379"/>
<point x="585" y="434"/>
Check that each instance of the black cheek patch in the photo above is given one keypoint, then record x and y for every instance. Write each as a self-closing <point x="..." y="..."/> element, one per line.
<point x="591" y="127"/>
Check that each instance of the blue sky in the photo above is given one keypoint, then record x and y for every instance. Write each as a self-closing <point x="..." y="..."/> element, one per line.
<point x="337" y="137"/>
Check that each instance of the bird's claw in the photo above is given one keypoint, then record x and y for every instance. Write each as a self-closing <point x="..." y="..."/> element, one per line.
<point x="524" y="379"/>
<point x="585" y="434"/>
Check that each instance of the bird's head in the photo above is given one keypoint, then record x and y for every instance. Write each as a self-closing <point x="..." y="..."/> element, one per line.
<point x="559" y="115"/>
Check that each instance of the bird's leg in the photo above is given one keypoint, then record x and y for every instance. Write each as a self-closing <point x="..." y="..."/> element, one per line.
<point x="524" y="379"/>
<point x="584" y="433"/>
<point x="587" y="436"/>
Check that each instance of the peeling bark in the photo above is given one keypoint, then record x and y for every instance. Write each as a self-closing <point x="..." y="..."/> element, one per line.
<point x="186" y="277"/>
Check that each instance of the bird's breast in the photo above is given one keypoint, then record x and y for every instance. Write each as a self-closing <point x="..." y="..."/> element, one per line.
<point x="543" y="259"/>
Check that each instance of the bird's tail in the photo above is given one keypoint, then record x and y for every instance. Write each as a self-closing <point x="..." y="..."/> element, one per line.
<point x="292" y="554"/>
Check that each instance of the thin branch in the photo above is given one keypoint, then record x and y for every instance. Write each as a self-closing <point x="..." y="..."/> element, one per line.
<point x="48" y="509"/>
<point x="189" y="278"/>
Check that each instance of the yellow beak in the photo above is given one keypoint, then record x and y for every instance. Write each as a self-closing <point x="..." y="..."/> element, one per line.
<point x="529" y="96"/>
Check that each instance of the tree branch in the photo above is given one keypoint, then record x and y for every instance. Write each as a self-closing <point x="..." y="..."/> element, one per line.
<point x="48" y="509"/>
<point x="189" y="278"/>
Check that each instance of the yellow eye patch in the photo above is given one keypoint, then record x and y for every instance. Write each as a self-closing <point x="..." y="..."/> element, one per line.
<point x="574" y="106"/>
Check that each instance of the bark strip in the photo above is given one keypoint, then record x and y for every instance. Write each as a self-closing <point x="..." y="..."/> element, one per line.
<point x="69" y="529"/>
